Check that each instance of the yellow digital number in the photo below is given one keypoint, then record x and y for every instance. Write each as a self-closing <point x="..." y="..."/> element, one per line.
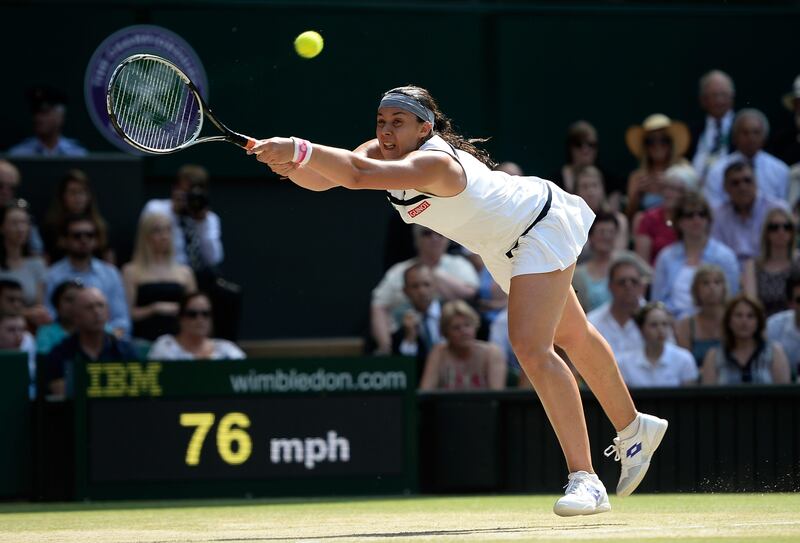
<point x="228" y="434"/>
<point x="203" y="422"/>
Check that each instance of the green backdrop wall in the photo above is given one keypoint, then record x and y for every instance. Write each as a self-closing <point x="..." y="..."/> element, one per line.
<point x="517" y="71"/>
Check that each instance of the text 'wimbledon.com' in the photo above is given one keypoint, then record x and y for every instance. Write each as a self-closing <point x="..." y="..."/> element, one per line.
<point x="317" y="381"/>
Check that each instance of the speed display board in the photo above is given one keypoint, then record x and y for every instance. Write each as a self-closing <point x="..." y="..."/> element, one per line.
<point x="254" y="427"/>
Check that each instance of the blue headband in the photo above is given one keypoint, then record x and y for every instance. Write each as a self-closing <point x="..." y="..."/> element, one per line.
<point x="407" y="103"/>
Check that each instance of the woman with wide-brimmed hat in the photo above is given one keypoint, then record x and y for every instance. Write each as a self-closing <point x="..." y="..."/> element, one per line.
<point x="659" y="142"/>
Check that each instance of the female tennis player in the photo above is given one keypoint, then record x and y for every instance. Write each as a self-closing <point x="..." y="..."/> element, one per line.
<point x="529" y="233"/>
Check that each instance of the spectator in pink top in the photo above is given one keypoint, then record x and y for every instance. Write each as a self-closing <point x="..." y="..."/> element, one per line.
<point x="463" y="362"/>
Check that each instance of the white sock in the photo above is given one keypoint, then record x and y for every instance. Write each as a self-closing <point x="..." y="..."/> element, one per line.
<point x="592" y="475"/>
<point x="630" y="430"/>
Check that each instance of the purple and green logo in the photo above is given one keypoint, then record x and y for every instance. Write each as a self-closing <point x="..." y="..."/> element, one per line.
<point x="132" y="40"/>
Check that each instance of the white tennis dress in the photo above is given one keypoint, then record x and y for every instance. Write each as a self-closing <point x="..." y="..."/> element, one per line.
<point x="518" y="225"/>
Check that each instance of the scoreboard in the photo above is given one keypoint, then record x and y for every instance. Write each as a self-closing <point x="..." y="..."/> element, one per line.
<point x="245" y="428"/>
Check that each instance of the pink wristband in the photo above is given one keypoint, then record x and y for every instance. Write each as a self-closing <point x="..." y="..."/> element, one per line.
<point x="302" y="151"/>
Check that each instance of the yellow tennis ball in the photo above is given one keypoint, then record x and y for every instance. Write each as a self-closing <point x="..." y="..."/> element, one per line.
<point x="308" y="44"/>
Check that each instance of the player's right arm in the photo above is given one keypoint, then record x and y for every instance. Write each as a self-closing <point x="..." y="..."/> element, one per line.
<point x="311" y="180"/>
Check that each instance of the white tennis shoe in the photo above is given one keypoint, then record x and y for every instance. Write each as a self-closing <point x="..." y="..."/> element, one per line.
<point x="635" y="452"/>
<point x="585" y="495"/>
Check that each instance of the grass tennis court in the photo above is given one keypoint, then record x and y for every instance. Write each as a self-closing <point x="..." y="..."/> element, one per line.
<point x="688" y="517"/>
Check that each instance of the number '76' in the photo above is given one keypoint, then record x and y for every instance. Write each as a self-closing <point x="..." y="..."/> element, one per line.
<point x="229" y="431"/>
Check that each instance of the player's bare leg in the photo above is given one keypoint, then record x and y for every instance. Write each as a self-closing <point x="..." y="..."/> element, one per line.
<point x="638" y="435"/>
<point x="535" y="306"/>
<point x="591" y="355"/>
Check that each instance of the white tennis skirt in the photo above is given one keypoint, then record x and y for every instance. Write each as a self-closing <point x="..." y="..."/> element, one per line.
<point x="553" y="244"/>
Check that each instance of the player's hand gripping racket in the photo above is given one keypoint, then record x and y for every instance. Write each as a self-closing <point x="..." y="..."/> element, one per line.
<point x="156" y="108"/>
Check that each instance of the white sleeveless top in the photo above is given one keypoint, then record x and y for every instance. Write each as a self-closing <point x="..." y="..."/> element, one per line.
<point x="487" y="217"/>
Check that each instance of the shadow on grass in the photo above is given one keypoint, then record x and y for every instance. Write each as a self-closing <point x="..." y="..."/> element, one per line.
<point x="390" y="535"/>
<point x="129" y="505"/>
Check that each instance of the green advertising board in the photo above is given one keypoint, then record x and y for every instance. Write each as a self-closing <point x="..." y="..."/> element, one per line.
<point x="15" y="412"/>
<point x="252" y="427"/>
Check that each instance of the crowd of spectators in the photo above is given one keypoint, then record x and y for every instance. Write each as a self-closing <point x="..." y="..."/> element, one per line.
<point x="690" y="273"/>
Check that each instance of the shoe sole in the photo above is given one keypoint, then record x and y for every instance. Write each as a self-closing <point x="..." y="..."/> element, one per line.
<point x="604" y="508"/>
<point x="637" y="481"/>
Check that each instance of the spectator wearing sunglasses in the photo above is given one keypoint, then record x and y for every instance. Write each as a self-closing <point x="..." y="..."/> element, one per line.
<point x="79" y="238"/>
<point x="750" y="132"/>
<point x="581" y="152"/>
<point x="193" y="340"/>
<point x="765" y="277"/>
<point x="738" y="221"/>
<point x="658" y="143"/>
<point x="678" y="262"/>
<point x="627" y="280"/>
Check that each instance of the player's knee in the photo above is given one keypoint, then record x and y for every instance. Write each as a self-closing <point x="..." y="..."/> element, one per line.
<point x="569" y="337"/>
<point x="530" y="352"/>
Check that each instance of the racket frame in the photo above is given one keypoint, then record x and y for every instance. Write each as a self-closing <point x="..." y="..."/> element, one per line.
<point x="229" y="135"/>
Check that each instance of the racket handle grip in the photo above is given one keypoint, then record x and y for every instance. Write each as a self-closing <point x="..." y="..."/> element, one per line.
<point x="245" y="142"/>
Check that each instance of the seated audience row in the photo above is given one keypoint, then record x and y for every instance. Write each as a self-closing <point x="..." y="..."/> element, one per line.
<point x="143" y="300"/>
<point x="91" y="340"/>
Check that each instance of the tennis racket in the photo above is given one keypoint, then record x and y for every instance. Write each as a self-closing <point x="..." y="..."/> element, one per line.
<point x="156" y="108"/>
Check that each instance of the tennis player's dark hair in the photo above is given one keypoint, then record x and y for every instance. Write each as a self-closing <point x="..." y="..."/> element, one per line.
<point x="444" y="126"/>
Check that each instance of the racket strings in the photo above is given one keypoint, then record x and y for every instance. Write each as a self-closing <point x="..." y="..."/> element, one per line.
<point x="153" y="106"/>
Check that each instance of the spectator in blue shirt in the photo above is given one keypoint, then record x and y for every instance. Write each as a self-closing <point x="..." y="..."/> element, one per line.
<point x="48" y="107"/>
<point x="80" y="241"/>
<point x="677" y="263"/>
